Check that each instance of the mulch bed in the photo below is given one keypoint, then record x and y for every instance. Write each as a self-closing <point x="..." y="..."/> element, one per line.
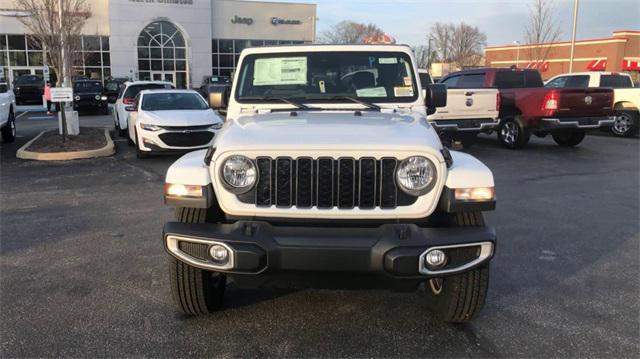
<point x="88" y="139"/>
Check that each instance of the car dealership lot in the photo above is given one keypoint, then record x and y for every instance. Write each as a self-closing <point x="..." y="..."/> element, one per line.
<point x="83" y="271"/>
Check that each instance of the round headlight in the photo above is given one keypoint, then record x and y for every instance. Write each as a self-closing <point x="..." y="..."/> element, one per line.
<point x="239" y="173"/>
<point x="416" y="175"/>
<point x="98" y="97"/>
<point x="77" y="98"/>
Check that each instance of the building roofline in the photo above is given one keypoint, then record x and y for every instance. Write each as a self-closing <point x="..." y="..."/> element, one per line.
<point x="607" y="39"/>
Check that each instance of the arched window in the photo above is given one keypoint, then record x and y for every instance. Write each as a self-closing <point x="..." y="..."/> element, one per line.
<point x="162" y="54"/>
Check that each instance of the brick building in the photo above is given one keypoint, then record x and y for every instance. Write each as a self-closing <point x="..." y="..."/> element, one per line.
<point x="620" y="52"/>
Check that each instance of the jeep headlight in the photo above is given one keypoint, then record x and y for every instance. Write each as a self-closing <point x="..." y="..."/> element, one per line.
<point x="239" y="174"/>
<point x="416" y="175"/>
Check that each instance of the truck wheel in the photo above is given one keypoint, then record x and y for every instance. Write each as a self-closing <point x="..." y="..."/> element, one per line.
<point x="9" y="129"/>
<point x="626" y="123"/>
<point x="568" y="139"/>
<point x="512" y="133"/>
<point x="195" y="291"/>
<point x="459" y="298"/>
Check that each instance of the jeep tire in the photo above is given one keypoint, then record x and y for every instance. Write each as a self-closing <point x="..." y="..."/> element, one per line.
<point x="195" y="291"/>
<point x="9" y="129"/>
<point x="568" y="138"/>
<point x="459" y="298"/>
<point x="512" y="134"/>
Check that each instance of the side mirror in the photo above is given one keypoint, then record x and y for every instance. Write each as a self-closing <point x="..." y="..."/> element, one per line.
<point x="130" y="108"/>
<point x="219" y="96"/>
<point x="436" y="96"/>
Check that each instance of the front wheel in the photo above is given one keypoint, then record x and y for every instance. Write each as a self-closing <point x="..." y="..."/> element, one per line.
<point x="569" y="138"/>
<point x="9" y="129"/>
<point x="195" y="291"/>
<point x="459" y="298"/>
<point x="626" y="124"/>
<point x="512" y="134"/>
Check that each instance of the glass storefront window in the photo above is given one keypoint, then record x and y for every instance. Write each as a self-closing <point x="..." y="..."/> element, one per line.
<point x="226" y="60"/>
<point x="163" y="44"/>
<point x="91" y="43"/>
<point x="16" y="42"/>
<point x="105" y="43"/>
<point x="226" y="46"/>
<point x="35" y="58"/>
<point x="17" y="58"/>
<point x="92" y="59"/>
<point x="3" y="42"/>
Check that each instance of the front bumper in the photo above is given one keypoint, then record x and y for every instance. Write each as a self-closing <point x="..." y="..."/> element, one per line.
<point x="585" y="123"/>
<point x="89" y="104"/>
<point x="389" y="253"/>
<point x="465" y="125"/>
<point x="152" y="141"/>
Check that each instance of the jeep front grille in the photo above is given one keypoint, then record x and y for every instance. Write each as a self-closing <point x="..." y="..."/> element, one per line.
<point x="325" y="183"/>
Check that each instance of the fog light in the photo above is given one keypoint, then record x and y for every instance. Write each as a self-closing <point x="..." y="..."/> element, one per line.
<point x="219" y="253"/>
<point x="435" y="259"/>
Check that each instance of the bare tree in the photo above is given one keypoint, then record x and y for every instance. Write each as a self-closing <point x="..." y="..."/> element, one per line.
<point x="542" y="29"/>
<point x="56" y="25"/>
<point x="460" y="44"/>
<point x="466" y="45"/>
<point x="349" y="32"/>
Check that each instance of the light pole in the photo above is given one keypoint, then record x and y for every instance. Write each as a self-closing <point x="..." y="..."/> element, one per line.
<point x="517" y="43"/>
<point x="573" y="33"/>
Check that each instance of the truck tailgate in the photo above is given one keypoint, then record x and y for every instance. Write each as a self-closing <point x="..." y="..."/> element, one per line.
<point x="468" y="104"/>
<point x="576" y="102"/>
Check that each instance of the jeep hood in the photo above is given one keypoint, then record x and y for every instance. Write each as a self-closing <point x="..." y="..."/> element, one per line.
<point x="336" y="130"/>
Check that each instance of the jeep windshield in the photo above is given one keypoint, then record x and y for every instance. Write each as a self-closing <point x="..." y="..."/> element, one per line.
<point x="327" y="77"/>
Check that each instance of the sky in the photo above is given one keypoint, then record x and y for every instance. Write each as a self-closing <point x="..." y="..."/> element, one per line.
<point x="502" y="21"/>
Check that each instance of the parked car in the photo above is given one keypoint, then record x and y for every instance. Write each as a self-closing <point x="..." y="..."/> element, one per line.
<point x="126" y="96"/>
<point x="213" y="85"/>
<point x="89" y="95"/>
<point x="330" y="185"/>
<point x="527" y="107"/>
<point x="112" y="87"/>
<point x="28" y="89"/>
<point x="171" y="120"/>
<point x="626" y="98"/>
<point x="7" y="113"/>
<point x="209" y="81"/>
<point x="470" y="109"/>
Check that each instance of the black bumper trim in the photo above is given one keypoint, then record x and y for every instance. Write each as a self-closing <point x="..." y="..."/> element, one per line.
<point x="390" y="250"/>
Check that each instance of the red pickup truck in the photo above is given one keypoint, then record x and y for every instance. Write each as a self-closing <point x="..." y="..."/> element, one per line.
<point x="527" y="107"/>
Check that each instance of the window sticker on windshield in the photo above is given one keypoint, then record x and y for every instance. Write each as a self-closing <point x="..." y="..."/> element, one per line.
<point x="403" y="91"/>
<point x="372" y="92"/>
<point x="280" y="71"/>
<point x="407" y="81"/>
<point x="387" y="60"/>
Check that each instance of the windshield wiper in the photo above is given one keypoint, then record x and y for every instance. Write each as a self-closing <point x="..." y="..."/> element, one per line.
<point x="368" y="105"/>
<point x="278" y="98"/>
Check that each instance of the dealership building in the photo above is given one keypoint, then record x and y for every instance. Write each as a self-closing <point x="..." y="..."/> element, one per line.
<point x="180" y="41"/>
<point x="618" y="53"/>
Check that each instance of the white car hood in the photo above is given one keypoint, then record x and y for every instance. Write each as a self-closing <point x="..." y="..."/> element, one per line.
<point x="321" y="130"/>
<point x="179" y="117"/>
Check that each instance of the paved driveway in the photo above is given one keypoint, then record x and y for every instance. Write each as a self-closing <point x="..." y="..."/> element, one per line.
<point x="83" y="271"/>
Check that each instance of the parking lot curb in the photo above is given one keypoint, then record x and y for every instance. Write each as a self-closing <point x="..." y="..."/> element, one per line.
<point x="107" y="150"/>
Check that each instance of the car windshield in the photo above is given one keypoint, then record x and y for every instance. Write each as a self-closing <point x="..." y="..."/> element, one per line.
<point x="165" y="101"/>
<point x="29" y="80"/>
<point x="327" y="76"/>
<point x="219" y="79"/>
<point x="87" y="86"/>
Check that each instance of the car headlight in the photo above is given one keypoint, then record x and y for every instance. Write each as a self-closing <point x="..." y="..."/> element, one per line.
<point x="416" y="175"/>
<point x="103" y="98"/>
<point x="77" y="98"/>
<point x="216" y="126"/>
<point x="239" y="174"/>
<point x="148" y="127"/>
<point x="98" y="97"/>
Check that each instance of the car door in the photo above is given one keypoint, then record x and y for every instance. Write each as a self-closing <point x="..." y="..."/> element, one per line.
<point x="5" y="103"/>
<point x="132" y="117"/>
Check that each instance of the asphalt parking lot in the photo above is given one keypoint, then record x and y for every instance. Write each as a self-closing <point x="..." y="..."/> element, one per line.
<point x="83" y="271"/>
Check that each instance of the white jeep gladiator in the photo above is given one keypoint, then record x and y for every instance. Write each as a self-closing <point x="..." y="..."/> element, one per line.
<point x="626" y="98"/>
<point x="327" y="174"/>
<point x="470" y="110"/>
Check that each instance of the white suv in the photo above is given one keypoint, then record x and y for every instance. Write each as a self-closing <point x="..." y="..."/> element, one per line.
<point x="327" y="174"/>
<point x="126" y="96"/>
<point x="7" y="113"/>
